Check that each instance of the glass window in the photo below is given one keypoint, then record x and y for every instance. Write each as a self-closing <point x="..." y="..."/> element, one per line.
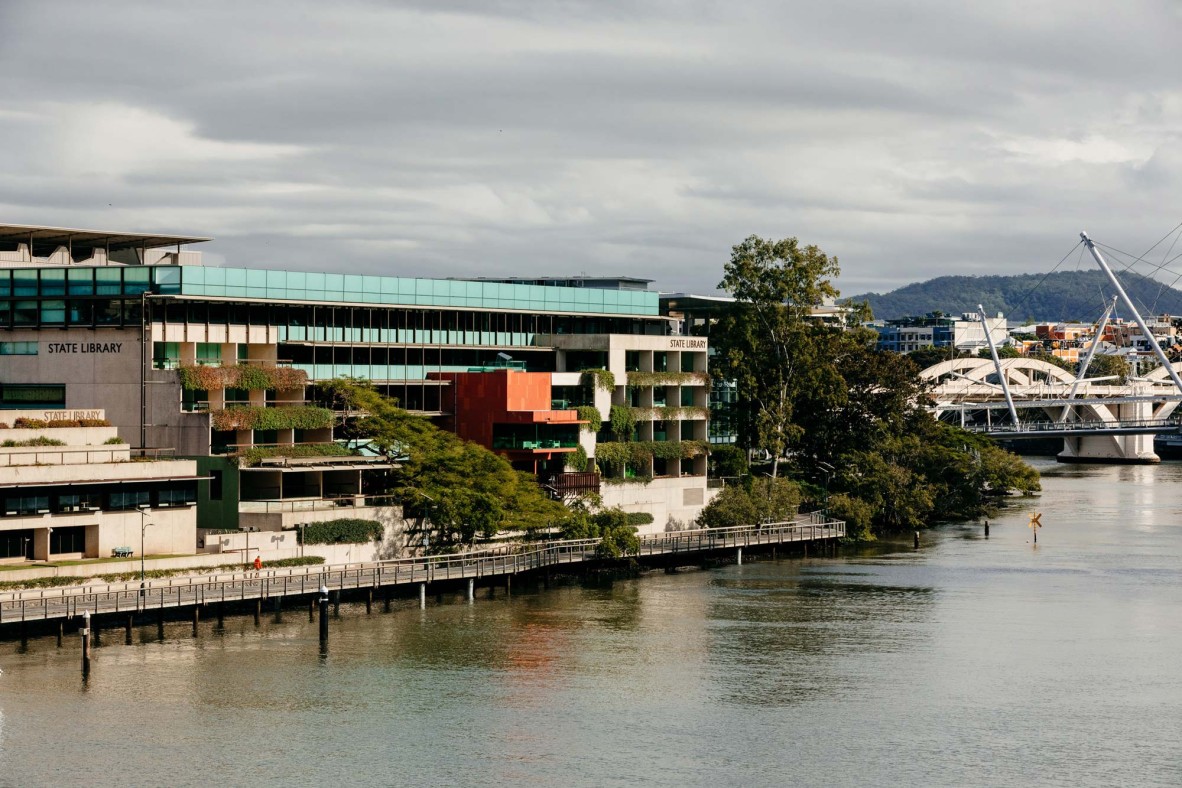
<point x="18" y="348"/>
<point x="24" y="313"/>
<point x="129" y="499"/>
<point x="209" y="353"/>
<point x="80" y="281"/>
<point x="53" y="311"/>
<point x="32" y="395"/>
<point x="107" y="281"/>
<point x="70" y="539"/>
<point x="167" y="278"/>
<point x="166" y="355"/>
<point x="24" y="282"/>
<point x="5" y="283"/>
<point x="53" y="282"/>
<point x="135" y="279"/>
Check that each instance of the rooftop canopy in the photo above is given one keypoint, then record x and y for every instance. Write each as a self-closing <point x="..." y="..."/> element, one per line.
<point x="65" y="236"/>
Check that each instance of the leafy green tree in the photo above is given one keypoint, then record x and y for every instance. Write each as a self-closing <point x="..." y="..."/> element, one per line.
<point x="763" y="342"/>
<point x="1103" y="365"/>
<point x="459" y="490"/>
<point x="612" y="527"/>
<point x="757" y="501"/>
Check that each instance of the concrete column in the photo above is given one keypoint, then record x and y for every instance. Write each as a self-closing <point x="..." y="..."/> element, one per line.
<point x="422" y="596"/>
<point x="739" y="557"/>
<point x="471" y="590"/>
<point x="41" y="544"/>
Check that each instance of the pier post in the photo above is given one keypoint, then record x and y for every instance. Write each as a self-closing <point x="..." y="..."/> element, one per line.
<point x="196" y="619"/>
<point x="127" y="637"/>
<point x="386" y="602"/>
<point x="85" y="643"/>
<point x="95" y="636"/>
<point x="221" y="615"/>
<point x="61" y="630"/>
<point x="336" y="605"/>
<point x="160" y="626"/>
<point x="471" y="589"/>
<point x="917" y="540"/>
<point x="311" y="610"/>
<point x="806" y="549"/>
<point x="508" y="585"/>
<point x="323" y="614"/>
<point x="369" y="602"/>
<point x="258" y="612"/>
<point x="739" y="557"/>
<point x="986" y="529"/>
<point x="422" y="596"/>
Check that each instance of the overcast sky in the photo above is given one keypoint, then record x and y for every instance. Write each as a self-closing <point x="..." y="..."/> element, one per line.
<point x="516" y="138"/>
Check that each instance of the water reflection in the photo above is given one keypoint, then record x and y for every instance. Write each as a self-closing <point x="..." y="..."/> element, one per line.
<point x="888" y="666"/>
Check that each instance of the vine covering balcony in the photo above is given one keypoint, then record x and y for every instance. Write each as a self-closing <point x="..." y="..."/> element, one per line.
<point x="250" y="377"/>
<point x="291" y="418"/>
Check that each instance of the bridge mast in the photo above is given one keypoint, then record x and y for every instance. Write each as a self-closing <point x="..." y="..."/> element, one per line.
<point x="1001" y="376"/>
<point x="1083" y="367"/>
<point x="1161" y="356"/>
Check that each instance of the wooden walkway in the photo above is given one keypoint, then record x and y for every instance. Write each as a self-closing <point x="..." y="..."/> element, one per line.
<point x="276" y="584"/>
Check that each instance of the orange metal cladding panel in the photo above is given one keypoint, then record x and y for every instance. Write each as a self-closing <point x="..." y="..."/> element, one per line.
<point x="527" y="391"/>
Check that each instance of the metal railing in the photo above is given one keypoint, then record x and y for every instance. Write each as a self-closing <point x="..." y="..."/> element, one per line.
<point x="1126" y="425"/>
<point x="317" y="504"/>
<point x="129" y="597"/>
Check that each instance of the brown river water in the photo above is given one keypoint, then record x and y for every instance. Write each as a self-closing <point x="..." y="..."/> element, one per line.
<point x="969" y="661"/>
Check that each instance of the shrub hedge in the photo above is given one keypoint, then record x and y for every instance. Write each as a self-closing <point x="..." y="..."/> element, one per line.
<point x="299" y="417"/>
<point x="347" y="530"/>
<point x="251" y="457"/>
<point x="240" y="376"/>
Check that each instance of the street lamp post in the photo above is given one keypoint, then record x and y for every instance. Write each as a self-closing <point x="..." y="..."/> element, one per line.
<point x="143" y="530"/>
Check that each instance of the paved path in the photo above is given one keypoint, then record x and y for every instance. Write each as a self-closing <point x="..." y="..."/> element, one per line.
<point x="180" y="592"/>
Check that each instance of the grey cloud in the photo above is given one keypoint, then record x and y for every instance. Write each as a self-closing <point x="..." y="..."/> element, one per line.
<point x="911" y="138"/>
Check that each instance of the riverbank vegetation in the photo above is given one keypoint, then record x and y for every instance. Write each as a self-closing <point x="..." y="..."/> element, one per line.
<point x="842" y="421"/>
<point x="458" y="491"/>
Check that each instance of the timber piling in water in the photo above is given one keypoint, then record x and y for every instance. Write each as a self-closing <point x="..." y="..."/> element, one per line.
<point x="245" y="592"/>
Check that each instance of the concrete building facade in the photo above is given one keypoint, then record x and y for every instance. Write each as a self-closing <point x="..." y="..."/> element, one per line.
<point x="219" y="364"/>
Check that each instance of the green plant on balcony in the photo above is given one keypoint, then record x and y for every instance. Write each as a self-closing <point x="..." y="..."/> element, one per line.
<point x="250" y="377"/>
<point x="301" y="417"/>
<point x="623" y="422"/>
<point x="248" y="458"/>
<point x="602" y="379"/>
<point x="576" y="460"/>
<point x="645" y="379"/>
<point x="591" y="415"/>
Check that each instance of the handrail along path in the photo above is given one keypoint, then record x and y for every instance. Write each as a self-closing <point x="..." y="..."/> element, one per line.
<point x="171" y="593"/>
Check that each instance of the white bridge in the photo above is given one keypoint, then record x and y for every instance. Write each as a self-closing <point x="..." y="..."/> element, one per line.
<point x="1098" y="420"/>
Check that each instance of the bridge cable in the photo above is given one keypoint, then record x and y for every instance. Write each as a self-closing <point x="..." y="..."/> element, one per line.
<point x="1014" y="309"/>
<point x="1163" y="287"/>
<point x="1128" y="268"/>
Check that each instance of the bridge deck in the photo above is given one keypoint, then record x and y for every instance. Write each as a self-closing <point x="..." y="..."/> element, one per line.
<point x="48" y="604"/>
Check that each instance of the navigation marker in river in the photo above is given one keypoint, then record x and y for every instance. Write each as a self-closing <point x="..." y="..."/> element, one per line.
<point x="1035" y="524"/>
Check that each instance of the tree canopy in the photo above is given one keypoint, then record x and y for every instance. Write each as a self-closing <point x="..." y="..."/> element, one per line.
<point x="846" y="418"/>
<point x="459" y="489"/>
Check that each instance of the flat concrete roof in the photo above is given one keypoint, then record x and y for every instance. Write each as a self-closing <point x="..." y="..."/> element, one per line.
<point x="65" y="236"/>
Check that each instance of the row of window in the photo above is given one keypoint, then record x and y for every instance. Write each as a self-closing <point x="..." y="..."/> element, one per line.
<point x="87" y="313"/>
<point x="48" y="500"/>
<point x="32" y="396"/>
<point x="19" y="543"/>
<point x="89" y="281"/>
<point x="18" y="348"/>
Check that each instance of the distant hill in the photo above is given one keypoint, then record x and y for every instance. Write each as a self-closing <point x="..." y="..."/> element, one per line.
<point x="1065" y="296"/>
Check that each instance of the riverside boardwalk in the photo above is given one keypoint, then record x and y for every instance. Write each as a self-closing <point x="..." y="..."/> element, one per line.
<point x="168" y="597"/>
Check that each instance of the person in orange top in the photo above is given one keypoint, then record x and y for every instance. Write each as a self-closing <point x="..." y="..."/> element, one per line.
<point x="258" y="563"/>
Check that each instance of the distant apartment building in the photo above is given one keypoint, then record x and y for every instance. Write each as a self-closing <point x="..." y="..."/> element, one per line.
<point x="964" y="333"/>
